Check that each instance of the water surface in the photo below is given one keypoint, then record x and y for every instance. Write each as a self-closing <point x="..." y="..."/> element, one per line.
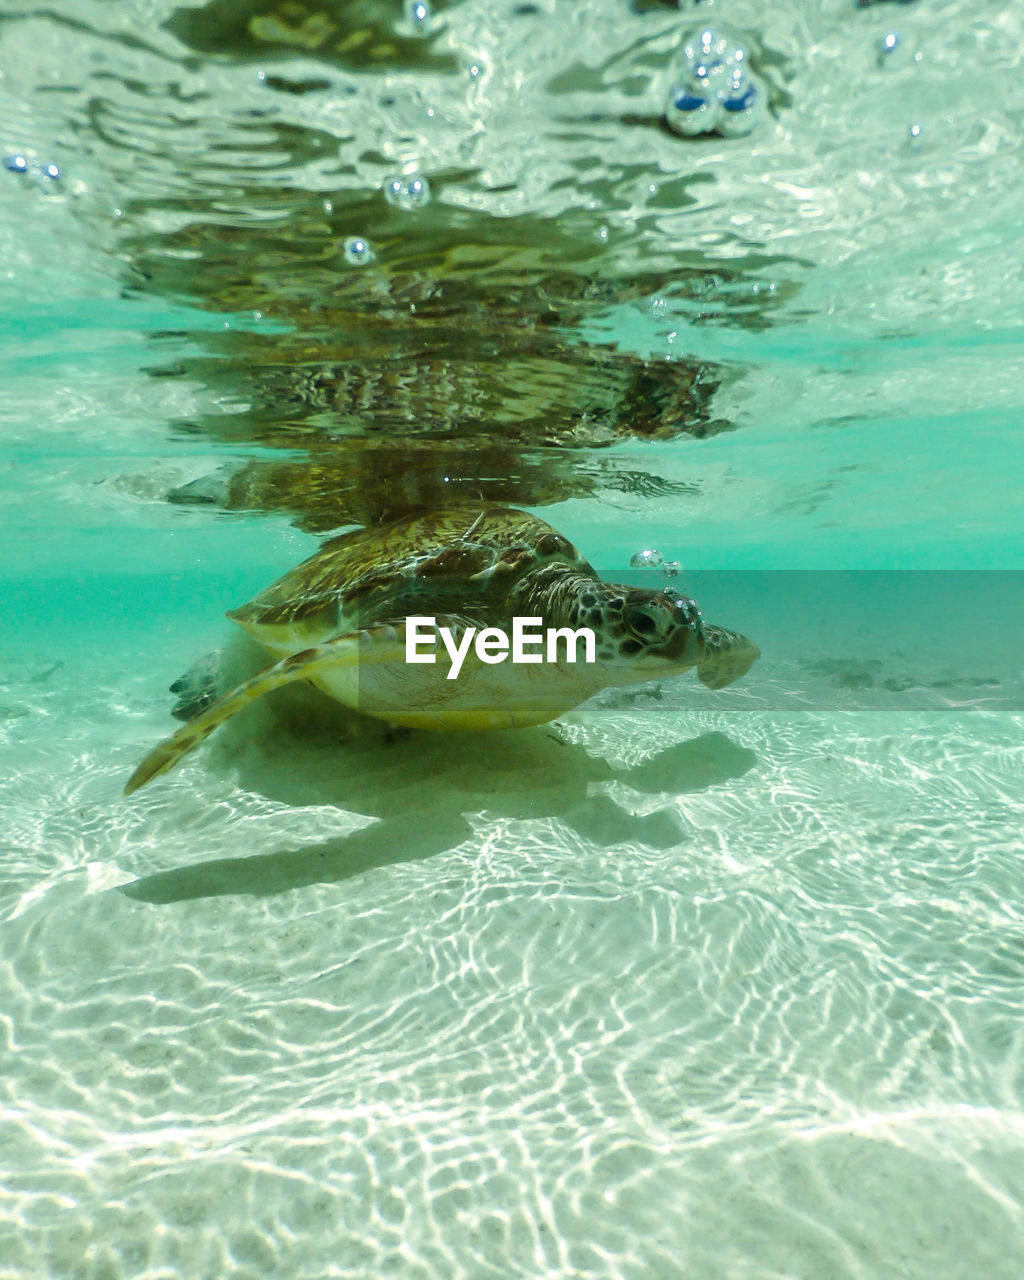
<point x="691" y="984"/>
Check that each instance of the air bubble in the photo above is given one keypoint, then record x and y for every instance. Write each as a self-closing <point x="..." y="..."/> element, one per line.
<point x="407" y="193"/>
<point x="647" y="559"/>
<point x="16" y="164"/>
<point x="916" y="142"/>
<point x="671" y="568"/>
<point x="358" y="252"/>
<point x="713" y="88"/>
<point x="417" y="15"/>
<point x="51" y="171"/>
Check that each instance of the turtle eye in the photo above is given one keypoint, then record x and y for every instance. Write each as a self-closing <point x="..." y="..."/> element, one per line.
<point x="641" y="622"/>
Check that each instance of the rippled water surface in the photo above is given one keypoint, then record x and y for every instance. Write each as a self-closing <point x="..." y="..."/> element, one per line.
<point x="690" y="984"/>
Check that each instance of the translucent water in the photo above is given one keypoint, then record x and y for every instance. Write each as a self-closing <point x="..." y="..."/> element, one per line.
<point x="693" y="983"/>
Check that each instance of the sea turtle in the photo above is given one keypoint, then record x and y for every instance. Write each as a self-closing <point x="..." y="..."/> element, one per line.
<point x="340" y="619"/>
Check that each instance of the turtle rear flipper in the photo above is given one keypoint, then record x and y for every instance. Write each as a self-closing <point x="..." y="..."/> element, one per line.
<point x="727" y="656"/>
<point x="374" y="644"/>
<point x="199" y="687"/>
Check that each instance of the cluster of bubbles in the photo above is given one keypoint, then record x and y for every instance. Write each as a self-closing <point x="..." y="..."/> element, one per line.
<point x="45" y="175"/>
<point x="404" y="193"/>
<point x="650" y="558"/>
<point x="892" y="52"/>
<point x="713" y="88"/>
<point x="407" y="193"/>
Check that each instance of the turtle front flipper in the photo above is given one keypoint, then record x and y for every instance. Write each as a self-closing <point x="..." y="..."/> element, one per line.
<point x="373" y="644"/>
<point x="727" y="656"/>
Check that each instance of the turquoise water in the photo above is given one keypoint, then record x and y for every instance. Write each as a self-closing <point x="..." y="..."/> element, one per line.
<point x="692" y="984"/>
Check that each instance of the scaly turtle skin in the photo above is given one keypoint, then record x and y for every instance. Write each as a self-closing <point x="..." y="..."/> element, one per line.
<point x="339" y="619"/>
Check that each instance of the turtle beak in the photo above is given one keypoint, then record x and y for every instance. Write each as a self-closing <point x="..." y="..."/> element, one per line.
<point x="727" y="656"/>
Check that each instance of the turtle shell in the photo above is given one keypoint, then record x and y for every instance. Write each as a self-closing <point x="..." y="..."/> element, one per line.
<point x="464" y="559"/>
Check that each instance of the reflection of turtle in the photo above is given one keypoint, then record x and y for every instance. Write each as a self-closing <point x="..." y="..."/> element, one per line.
<point x="484" y="339"/>
<point x="545" y="298"/>
<point x="339" y="620"/>
<point x="357" y="35"/>
<point x="377" y="481"/>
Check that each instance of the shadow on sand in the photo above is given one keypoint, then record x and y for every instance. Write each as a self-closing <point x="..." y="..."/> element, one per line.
<point x="424" y="788"/>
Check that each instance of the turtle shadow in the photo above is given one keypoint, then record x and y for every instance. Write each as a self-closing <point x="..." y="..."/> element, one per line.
<point x="420" y="788"/>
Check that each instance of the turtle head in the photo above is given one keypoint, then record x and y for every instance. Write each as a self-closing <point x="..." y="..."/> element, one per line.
<point x="642" y="630"/>
<point x="641" y="634"/>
